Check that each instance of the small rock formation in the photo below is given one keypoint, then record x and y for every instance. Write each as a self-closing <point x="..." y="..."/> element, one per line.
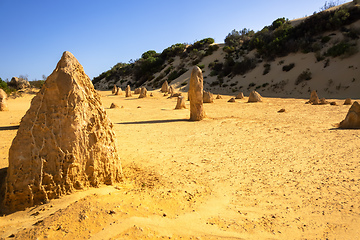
<point x="128" y="91"/>
<point x="254" y="97"/>
<point x="166" y="94"/>
<point x="18" y="83"/>
<point x="114" y="105"/>
<point x="165" y="87"/>
<point x="65" y="141"/>
<point x="208" y="97"/>
<point x="281" y="110"/>
<point x="352" y="119"/>
<point x="197" y="112"/>
<point x="231" y="100"/>
<point x="314" y="99"/>
<point x="118" y="91"/>
<point x="114" y="89"/>
<point x="137" y="90"/>
<point x="3" y="101"/>
<point x="143" y="92"/>
<point x="151" y="95"/>
<point x="171" y="91"/>
<point x="333" y="103"/>
<point x="180" y="103"/>
<point x="348" y="101"/>
<point x="240" y="96"/>
<point x="218" y="96"/>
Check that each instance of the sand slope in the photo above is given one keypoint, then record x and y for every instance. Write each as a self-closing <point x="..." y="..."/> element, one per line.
<point x="245" y="172"/>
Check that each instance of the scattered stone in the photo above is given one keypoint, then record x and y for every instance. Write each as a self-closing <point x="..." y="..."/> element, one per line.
<point x="114" y="105"/>
<point x="281" y="110"/>
<point x="197" y="112"/>
<point x="176" y="95"/>
<point x="333" y="103"/>
<point x="240" y="96"/>
<point x="128" y="91"/>
<point x="166" y="94"/>
<point x="352" y="119"/>
<point x="323" y="101"/>
<point x="138" y="106"/>
<point x="180" y="103"/>
<point x="348" y="101"/>
<point x="118" y="91"/>
<point x="143" y="93"/>
<point x="3" y="101"/>
<point x="218" y="96"/>
<point x="114" y="89"/>
<point x="255" y="97"/>
<point x="18" y="83"/>
<point x="231" y="100"/>
<point x="165" y="87"/>
<point x="208" y="97"/>
<point x="151" y="95"/>
<point x="65" y="141"/>
<point x="137" y="91"/>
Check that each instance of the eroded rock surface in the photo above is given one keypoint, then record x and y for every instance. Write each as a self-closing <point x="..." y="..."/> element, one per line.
<point x="3" y="101"/>
<point x="352" y="119"/>
<point x="196" y="87"/>
<point x="65" y="141"/>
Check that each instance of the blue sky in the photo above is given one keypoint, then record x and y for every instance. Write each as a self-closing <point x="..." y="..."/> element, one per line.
<point x="34" y="34"/>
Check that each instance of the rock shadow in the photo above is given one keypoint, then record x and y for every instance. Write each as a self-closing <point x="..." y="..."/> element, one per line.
<point x="155" y="121"/>
<point x="5" y="128"/>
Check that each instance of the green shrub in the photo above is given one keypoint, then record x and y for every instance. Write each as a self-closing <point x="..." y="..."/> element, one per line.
<point x="288" y="67"/>
<point x="37" y="83"/>
<point x="341" y="49"/>
<point x="4" y="86"/>
<point x="325" y="39"/>
<point x="201" y="66"/>
<point x="175" y="74"/>
<point x="304" y="76"/>
<point x="267" y="67"/>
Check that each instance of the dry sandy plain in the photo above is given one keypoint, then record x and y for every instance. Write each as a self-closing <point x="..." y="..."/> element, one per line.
<point x="245" y="172"/>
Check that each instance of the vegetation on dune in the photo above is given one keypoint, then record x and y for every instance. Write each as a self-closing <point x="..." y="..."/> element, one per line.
<point x="279" y="39"/>
<point x="143" y="70"/>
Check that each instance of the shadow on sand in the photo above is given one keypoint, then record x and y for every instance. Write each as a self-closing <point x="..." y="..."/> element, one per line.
<point x="3" y="172"/>
<point x="9" y="128"/>
<point x="156" y="121"/>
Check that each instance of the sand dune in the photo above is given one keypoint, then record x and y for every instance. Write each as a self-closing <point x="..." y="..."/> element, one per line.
<point x="245" y="172"/>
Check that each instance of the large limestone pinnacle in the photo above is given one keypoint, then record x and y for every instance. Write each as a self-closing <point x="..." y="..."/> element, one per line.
<point x="197" y="112"/>
<point x="65" y="141"/>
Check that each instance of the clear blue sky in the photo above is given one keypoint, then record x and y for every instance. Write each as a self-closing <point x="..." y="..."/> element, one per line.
<point x="35" y="33"/>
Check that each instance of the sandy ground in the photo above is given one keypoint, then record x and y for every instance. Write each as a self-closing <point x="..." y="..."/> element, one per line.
<point x="245" y="172"/>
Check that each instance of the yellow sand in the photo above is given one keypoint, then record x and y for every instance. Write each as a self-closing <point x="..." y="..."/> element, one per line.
<point x="245" y="172"/>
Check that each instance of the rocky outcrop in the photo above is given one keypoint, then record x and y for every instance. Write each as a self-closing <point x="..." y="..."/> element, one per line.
<point x="218" y="96"/>
<point x="180" y="103"/>
<point x="352" y="119"/>
<point x="348" y="101"/>
<point x="143" y="92"/>
<point x="3" y="101"/>
<point x="165" y="87"/>
<point x="114" y="89"/>
<point x="231" y="100"/>
<point x="208" y="97"/>
<point x="137" y="90"/>
<point x="254" y="97"/>
<point x="128" y="91"/>
<point x="18" y="83"/>
<point x="64" y="142"/>
<point x="314" y="99"/>
<point x="118" y="91"/>
<point x="197" y="112"/>
<point x="240" y="96"/>
<point x="114" y="105"/>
